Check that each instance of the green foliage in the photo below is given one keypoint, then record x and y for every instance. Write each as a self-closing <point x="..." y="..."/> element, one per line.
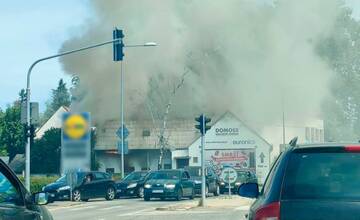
<point x="341" y="110"/>
<point x="12" y="135"/>
<point x="37" y="182"/>
<point x="60" y="97"/>
<point x="45" y="153"/>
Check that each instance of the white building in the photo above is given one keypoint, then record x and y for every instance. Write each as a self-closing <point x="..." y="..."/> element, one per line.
<point x="228" y="143"/>
<point x="55" y="121"/>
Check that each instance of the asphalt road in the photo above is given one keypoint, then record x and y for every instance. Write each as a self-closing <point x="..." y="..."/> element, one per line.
<point x="127" y="209"/>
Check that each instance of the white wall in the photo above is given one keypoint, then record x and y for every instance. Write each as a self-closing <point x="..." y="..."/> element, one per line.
<point x="239" y="138"/>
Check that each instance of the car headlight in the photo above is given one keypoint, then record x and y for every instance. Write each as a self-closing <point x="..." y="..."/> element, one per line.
<point x="237" y="184"/>
<point x="147" y="186"/>
<point x="222" y="183"/>
<point x="197" y="181"/>
<point x="132" y="185"/>
<point x="63" y="188"/>
<point x="169" y="186"/>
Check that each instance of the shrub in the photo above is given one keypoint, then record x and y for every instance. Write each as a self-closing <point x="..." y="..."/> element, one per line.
<point x="37" y="182"/>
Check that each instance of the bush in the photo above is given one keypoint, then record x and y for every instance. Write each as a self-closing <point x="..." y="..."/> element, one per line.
<point x="37" y="182"/>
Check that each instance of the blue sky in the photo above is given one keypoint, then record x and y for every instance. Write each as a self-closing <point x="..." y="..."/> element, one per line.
<point x="31" y="30"/>
<point x="37" y="28"/>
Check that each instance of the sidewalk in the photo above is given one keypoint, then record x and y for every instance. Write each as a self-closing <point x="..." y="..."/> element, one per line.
<point x="221" y="202"/>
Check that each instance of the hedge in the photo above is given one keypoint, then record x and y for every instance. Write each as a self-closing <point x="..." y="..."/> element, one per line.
<point x="37" y="182"/>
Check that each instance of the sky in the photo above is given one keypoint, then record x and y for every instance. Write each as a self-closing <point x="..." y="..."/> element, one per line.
<point x="35" y="29"/>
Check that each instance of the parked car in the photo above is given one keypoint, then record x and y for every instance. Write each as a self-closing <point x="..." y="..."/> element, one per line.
<point x="212" y="181"/>
<point x="84" y="185"/>
<point x="317" y="181"/>
<point x="169" y="184"/>
<point x="16" y="202"/>
<point x="58" y="190"/>
<point x="132" y="184"/>
<point x="243" y="176"/>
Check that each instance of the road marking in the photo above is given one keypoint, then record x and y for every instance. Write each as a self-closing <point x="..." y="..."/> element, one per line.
<point x="82" y="207"/>
<point x="111" y="207"/>
<point x="136" y="212"/>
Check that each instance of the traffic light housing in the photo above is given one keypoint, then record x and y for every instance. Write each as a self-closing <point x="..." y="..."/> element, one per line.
<point x="202" y="126"/>
<point x="118" y="45"/>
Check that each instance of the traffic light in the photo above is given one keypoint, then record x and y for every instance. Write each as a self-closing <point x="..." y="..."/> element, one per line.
<point x="202" y="124"/>
<point x="118" y="45"/>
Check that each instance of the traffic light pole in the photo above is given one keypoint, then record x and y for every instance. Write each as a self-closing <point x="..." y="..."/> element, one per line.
<point x="203" y="196"/>
<point x="28" y="122"/>
<point x="122" y="121"/>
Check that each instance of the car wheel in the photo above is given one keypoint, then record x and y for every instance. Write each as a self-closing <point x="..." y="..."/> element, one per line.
<point x="147" y="198"/>
<point x="76" y="195"/>
<point x="110" y="193"/>
<point x="140" y="192"/>
<point x="217" y="191"/>
<point x="179" y="195"/>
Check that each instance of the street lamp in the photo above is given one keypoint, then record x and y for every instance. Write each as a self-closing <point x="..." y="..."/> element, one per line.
<point x="28" y="122"/>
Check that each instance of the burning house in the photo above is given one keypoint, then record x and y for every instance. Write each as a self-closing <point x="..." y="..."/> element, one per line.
<point x="228" y="143"/>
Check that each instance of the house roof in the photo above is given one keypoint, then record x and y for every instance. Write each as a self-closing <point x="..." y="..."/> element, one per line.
<point x="53" y="122"/>
<point x="180" y="133"/>
<point x="143" y="134"/>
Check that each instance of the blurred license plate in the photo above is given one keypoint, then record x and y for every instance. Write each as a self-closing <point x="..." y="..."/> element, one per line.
<point x="158" y="191"/>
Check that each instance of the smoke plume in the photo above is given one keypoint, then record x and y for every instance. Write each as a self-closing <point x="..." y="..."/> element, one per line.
<point x="240" y="55"/>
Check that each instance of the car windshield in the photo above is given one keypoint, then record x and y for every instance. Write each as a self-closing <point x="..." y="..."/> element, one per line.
<point x="194" y="171"/>
<point x="165" y="175"/>
<point x="322" y="176"/>
<point x="62" y="179"/>
<point x="135" y="176"/>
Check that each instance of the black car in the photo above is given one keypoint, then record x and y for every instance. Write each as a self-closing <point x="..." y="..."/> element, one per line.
<point x="309" y="182"/>
<point x="16" y="202"/>
<point x="211" y="179"/>
<point x="243" y="176"/>
<point x="132" y="184"/>
<point x="83" y="185"/>
<point x="169" y="184"/>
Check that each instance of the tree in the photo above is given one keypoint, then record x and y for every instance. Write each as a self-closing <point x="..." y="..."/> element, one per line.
<point x="46" y="151"/>
<point x="60" y="97"/>
<point x="341" y="110"/>
<point x="12" y="135"/>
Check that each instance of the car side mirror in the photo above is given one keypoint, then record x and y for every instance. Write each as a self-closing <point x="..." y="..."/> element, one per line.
<point x="249" y="190"/>
<point x="40" y="198"/>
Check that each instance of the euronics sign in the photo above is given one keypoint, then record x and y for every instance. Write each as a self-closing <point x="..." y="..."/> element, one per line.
<point x="75" y="142"/>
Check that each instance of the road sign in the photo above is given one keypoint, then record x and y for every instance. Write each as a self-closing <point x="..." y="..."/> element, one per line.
<point x="34" y="113"/>
<point x="229" y="175"/>
<point x="262" y="156"/>
<point x="126" y="147"/>
<point x="126" y="132"/>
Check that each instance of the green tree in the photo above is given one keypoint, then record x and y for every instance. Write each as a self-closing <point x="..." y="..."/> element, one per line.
<point x="60" y="97"/>
<point x="45" y="152"/>
<point x="339" y="49"/>
<point x="12" y="135"/>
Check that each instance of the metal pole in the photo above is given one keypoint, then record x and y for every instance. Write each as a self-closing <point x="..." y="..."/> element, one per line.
<point x="283" y="121"/>
<point x="28" y="122"/>
<point x="203" y="196"/>
<point x="122" y="120"/>
<point x="229" y="183"/>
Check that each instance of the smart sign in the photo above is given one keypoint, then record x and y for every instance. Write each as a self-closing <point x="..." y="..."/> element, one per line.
<point x="75" y="142"/>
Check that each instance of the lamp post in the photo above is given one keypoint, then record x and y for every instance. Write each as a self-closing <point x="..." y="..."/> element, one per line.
<point x="28" y="90"/>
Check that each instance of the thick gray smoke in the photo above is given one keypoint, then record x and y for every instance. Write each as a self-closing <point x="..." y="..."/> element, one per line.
<point x="241" y="55"/>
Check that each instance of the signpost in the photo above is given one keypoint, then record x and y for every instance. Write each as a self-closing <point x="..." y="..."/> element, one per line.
<point x="229" y="176"/>
<point x="75" y="142"/>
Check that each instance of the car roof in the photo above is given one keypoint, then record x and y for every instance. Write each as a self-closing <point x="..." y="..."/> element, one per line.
<point x="327" y="144"/>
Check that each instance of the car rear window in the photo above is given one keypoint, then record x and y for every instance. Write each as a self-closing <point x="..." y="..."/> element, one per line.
<point x="322" y="176"/>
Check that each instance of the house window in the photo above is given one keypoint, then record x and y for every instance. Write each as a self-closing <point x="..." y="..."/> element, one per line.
<point x="195" y="159"/>
<point x="146" y="133"/>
